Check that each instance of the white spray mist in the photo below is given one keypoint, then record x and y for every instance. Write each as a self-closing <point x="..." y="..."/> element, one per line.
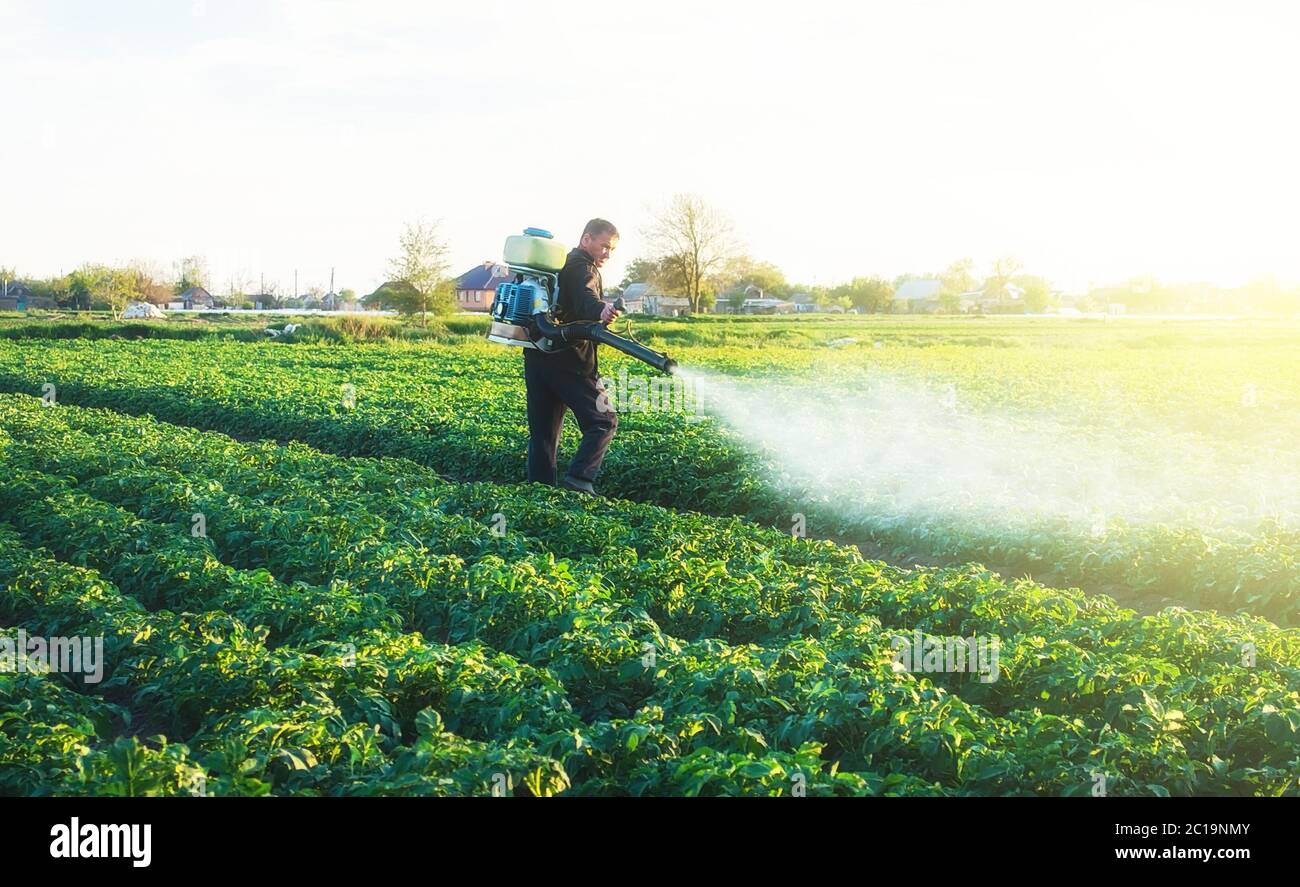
<point x="900" y="452"/>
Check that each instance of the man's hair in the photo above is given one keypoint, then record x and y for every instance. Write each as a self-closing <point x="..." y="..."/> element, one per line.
<point x="597" y="227"/>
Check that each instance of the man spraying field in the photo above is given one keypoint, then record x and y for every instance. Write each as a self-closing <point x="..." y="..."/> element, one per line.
<point x="569" y="379"/>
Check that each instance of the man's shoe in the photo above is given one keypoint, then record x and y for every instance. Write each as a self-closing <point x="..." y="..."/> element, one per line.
<point x="578" y="485"/>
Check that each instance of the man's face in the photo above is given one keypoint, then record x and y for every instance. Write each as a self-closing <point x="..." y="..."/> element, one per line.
<point x="600" y="247"/>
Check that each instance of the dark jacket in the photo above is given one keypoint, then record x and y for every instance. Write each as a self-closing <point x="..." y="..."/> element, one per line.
<point x="581" y="295"/>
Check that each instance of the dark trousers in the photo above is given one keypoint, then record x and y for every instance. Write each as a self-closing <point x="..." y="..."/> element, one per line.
<point x="550" y="391"/>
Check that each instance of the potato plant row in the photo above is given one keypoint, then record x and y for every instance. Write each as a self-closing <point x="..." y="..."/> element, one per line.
<point x="458" y="412"/>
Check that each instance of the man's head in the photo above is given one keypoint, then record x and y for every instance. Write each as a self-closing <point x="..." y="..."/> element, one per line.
<point x="599" y="239"/>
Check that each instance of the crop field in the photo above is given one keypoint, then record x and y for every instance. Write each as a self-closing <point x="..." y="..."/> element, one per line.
<point x="315" y="570"/>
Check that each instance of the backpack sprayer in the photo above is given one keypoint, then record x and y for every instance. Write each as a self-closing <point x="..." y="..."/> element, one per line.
<point x="522" y="313"/>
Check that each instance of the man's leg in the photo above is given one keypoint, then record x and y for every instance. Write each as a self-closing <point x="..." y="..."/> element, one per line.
<point x="545" y="422"/>
<point x="597" y="419"/>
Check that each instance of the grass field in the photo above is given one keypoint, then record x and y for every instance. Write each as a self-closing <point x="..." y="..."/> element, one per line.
<point x="376" y="605"/>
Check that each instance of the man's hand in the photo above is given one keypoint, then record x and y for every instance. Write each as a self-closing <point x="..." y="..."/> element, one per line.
<point x="608" y="313"/>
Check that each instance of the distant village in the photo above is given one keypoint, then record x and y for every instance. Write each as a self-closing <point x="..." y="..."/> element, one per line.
<point x="939" y="294"/>
<point x="476" y="288"/>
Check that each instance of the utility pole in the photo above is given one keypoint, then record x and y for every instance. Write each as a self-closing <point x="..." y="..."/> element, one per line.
<point x="331" y="279"/>
<point x="295" y="283"/>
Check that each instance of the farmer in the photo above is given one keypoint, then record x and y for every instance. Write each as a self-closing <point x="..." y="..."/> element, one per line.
<point x="569" y="378"/>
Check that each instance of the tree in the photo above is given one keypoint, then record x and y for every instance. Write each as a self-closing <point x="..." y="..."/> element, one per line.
<point x="148" y="284"/>
<point x="80" y="285"/>
<point x="390" y="296"/>
<point x="422" y="264"/>
<point x="190" y="271"/>
<point x="693" y="241"/>
<point x="640" y="270"/>
<point x="55" y="288"/>
<point x="237" y="286"/>
<point x="873" y="294"/>
<point x="1035" y="291"/>
<point x="742" y="272"/>
<point x="957" y="278"/>
<point x="104" y="285"/>
<point x="999" y="280"/>
<point x="868" y="294"/>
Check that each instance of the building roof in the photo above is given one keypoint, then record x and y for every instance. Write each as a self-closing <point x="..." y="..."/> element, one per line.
<point x="196" y="294"/>
<point x="640" y="291"/>
<point x="918" y="290"/>
<point x="482" y="277"/>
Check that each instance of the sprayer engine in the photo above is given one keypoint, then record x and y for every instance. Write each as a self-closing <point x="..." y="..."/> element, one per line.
<point x="522" y="312"/>
<point x="514" y="307"/>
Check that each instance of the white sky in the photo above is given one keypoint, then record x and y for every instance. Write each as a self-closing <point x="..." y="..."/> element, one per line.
<point x="1092" y="140"/>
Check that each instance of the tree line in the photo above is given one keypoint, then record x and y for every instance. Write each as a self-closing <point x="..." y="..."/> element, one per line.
<point x="691" y="252"/>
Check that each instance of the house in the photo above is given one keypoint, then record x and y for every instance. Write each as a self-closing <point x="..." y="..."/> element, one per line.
<point x="338" y="302"/>
<point x="633" y="304"/>
<point x="638" y="297"/>
<point x="735" y="299"/>
<point x="919" y="296"/>
<point x="649" y="299"/>
<point x="15" y="296"/>
<point x="767" y="306"/>
<point x="925" y="296"/>
<point x="477" y="287"/>
<point x="196" y="297"/>
<point x="803" y="302"/>
<point x="667" y="306"/>
<point x="991" y="303"/>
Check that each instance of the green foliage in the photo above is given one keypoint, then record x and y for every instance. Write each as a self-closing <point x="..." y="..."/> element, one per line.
<point x="870" y="294"/>
<point x="363" y="626"/>
<point x="421" y="265"/>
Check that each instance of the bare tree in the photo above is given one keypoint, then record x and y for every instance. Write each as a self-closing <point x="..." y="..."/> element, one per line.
<point x="694" y="242"/>
<point x="999" y="280"/>
<point x="149" y="281"/>
<point x="238" y="284"/>
<point x="190" y="271"/>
